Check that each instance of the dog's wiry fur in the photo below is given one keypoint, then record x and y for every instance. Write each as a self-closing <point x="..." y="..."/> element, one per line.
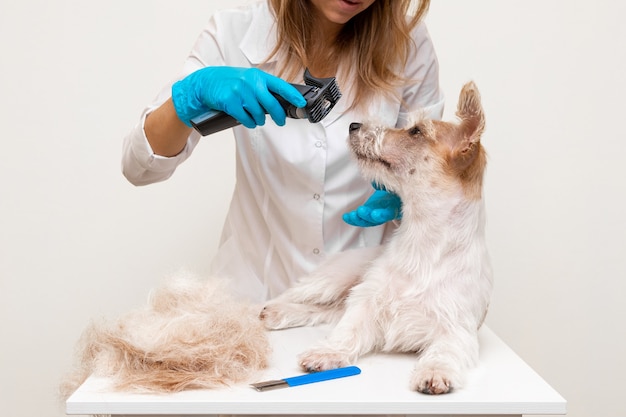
<point x="191" y="335"/>
<point x="427" y="290"/>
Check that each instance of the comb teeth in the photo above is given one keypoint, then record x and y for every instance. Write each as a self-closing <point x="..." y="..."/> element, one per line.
<point x="332" y="92"/>
<point x="327" y="96"/>
<point x="319" y="110"/>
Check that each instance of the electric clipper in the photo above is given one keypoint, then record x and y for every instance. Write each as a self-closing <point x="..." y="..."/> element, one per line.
<point x="321" y="95"/>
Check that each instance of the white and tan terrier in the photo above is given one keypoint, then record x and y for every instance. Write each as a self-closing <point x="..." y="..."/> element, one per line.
<point x="425" y="291"/>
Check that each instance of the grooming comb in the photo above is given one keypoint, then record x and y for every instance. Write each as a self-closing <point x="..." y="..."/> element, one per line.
<point x="307" y="378"/>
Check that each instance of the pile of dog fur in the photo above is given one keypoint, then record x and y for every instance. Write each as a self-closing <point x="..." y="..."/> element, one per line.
<point x="191" y="335"/>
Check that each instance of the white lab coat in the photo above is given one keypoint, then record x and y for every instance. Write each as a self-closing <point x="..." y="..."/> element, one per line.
<point x="293" y="182"/>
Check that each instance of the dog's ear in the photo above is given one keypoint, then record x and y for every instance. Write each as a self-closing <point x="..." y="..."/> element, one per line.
<point x="470" y="111"/>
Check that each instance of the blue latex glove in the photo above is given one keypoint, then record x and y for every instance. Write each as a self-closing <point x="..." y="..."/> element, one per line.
<point x="381" y="207"/>
<point x="243" y="93"/>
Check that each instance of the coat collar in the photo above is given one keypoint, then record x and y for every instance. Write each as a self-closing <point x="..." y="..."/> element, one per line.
<point x="261" y="36"/>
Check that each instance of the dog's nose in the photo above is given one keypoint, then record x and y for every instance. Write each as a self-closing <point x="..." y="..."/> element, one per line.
<point x="355" y="126"/>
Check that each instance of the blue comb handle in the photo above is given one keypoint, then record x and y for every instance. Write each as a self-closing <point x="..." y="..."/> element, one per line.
<point x="322" y="376"/>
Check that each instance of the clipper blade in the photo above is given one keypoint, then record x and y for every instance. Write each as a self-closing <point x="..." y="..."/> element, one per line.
<point x="321" y="99"/>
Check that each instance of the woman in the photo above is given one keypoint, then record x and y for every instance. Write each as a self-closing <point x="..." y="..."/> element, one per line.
<point x="295" y="179"/>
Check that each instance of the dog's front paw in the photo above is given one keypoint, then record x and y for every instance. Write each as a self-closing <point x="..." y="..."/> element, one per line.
<point x="322" y="359"/>
<point x="274" y="317"/>
<point x="432" y="381"/>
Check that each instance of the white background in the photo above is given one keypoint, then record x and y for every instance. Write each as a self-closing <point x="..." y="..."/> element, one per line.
<point x="78" y="242"/>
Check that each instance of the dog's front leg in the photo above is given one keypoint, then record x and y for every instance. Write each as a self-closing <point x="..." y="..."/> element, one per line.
<point x="356" y="334"/>
<point x="319" y="297"/>
<point x="442" y="363"/>
<point x="278" y="315"/>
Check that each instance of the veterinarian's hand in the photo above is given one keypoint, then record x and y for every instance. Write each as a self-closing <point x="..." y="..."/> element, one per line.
<point x="243" y="93"/>
<point x="381" y="207"/>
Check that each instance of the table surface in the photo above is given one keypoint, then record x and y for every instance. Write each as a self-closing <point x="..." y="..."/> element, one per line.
<point x="501" y="384"/>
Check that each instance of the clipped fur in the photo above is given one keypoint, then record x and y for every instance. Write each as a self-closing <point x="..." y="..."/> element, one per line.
<point x="191" y="335"/>
<point x="425" y="291"/>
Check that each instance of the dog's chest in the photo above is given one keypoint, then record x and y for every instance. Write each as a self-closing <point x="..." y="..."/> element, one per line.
<point x="401" y="306"/>
<point x="403" y="324"/>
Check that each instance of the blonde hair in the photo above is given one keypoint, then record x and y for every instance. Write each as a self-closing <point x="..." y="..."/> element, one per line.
<point x="372" y="48"/>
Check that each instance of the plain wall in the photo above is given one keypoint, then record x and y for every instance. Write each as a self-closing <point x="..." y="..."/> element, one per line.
<point x="78" y="242"/>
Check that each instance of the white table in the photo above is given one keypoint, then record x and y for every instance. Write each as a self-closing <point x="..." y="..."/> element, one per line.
<point x="501" y="385"/>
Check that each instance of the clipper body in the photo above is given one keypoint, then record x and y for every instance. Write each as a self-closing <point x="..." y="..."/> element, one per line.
<point x="321" y="95"/>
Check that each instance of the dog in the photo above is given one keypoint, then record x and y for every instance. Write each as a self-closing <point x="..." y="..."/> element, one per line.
<point x="427" y="289"/>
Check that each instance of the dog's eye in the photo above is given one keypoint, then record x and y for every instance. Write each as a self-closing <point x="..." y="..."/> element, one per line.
<point x="415" y="130"/>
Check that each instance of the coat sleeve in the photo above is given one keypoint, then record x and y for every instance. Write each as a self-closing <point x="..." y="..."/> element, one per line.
<point x="140" y="165"/>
